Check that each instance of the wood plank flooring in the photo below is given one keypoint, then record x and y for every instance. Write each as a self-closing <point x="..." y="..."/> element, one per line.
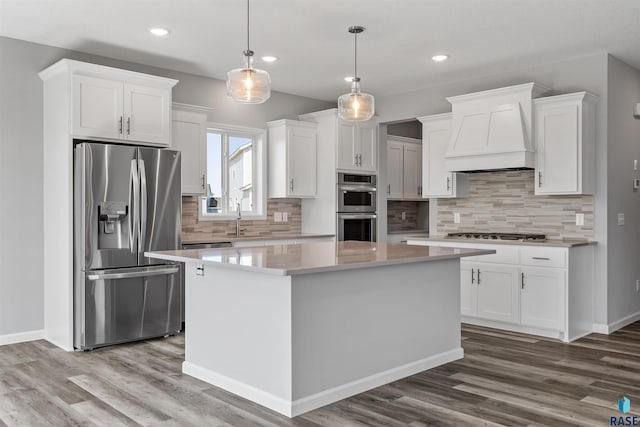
<point x="505" y="379"/>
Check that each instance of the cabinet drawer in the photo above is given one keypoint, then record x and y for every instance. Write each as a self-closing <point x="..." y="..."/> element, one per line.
<point x="503" y="255"/>
<point x="543" y="257"/>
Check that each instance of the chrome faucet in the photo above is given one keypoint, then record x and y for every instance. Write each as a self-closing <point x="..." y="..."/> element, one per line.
<point x="238" y="218"/>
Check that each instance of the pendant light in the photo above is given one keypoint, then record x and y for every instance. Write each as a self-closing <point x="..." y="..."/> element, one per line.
<point x="356" y="106"/>
<point x="248" y="85"/>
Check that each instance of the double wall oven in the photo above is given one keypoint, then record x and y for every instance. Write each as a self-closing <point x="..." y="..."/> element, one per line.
<point x="356" y="214"/>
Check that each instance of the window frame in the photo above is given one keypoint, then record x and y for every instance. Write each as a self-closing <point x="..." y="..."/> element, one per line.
<point x="259" y="172"/>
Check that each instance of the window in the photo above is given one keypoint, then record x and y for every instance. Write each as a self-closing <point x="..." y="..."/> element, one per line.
<point x="235" y="173"/>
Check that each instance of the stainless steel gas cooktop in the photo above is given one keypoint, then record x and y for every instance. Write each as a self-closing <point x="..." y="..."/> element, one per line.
<point x="522" y="237"/>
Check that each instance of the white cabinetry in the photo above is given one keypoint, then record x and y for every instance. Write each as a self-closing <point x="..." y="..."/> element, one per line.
<point x="437" y="181"/>
<point x="120" y="105"/>
<point x="292" y="158"/>
<point x="358" y="146"/>
<point x="565" y="140"/>
<point x="540" y="290"/>
<point x="189" y="136"/>
<point x="404" y="168"/>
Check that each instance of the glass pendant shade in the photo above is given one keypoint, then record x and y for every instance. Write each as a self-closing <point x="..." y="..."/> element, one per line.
<point x="248" y="85"/>
<point x="356" y="106"/>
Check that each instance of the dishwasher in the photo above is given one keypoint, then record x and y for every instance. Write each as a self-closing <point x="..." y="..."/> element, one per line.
<point x="186" y="246"/>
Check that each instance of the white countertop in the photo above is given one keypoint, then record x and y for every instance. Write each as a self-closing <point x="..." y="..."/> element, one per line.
<point x="315" y="257"/>
<point x="219" y="239"/>
<point x="549" y="243"/>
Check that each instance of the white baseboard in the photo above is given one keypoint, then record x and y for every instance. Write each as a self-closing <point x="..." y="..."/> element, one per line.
<point x="352" y="388"/>
<point x="621" y="323"/>
<point x="600" y="328"/>
<point x="21" y="337"/>
<point x="325" y="397"/>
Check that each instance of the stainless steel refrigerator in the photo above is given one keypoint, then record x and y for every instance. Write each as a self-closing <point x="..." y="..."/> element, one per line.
<point x="126" y="201"/>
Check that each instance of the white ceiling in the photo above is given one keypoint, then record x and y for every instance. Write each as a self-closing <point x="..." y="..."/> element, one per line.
<point x="310" y="36"/>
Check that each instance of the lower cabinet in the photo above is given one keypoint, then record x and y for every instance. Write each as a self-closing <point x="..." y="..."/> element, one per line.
<point x="490" y="291"/>
<point x="539" y="290"/>
<point x="542" y="297"/>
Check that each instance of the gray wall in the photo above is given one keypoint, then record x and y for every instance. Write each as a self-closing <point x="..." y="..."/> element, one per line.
<point x="21" y="162"/>
<point x="578" y="74"/>
<point x="624" y="146"/>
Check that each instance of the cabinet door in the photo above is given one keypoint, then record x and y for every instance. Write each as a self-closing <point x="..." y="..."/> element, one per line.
<point x="394" y="170"/>
<point x="97" y="107"/>
<point x="367" y="138"/>
<point x="147" y="113"/>
<point x="542" y="296"/>
<point x="437" y="181"/>
<point x="347" y="146"/>
<point x="498" y="292"/>
<point x="412" y="165"/>
<point x="301" y="152"/>
<point x="189" y="137"/>
<point x="558" y="151"/>
<point x="468" y="290"/>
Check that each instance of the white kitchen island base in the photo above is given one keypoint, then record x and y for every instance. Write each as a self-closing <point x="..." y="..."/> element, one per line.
<point x="296" y="327"/>
<point x="295" y="343"/>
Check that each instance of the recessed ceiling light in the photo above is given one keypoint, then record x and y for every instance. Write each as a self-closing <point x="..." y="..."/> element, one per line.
<point x="440" y="58"/>
<point x="348" y="79"/>
<point x="160" y="32"/>
<point x="269" y="58"/>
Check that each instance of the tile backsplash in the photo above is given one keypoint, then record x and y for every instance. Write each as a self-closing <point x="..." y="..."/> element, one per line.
<point x="192" y="229"/>
<point x="414" y="218"/>
<point x="505" y="202"/>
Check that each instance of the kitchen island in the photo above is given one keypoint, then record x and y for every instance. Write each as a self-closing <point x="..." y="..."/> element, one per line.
<point x="295" y="327"/>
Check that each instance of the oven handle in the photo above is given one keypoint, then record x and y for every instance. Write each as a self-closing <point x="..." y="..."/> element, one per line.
<point x="361" y="188"/>
<point x="356" y="216"/>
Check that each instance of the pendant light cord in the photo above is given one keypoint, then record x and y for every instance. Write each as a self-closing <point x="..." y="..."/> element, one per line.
<point x="248" y="26"/>
<point x="355" y="56"/>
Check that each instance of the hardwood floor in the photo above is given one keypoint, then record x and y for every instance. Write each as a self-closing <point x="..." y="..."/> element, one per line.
<point x="504" y="379"/>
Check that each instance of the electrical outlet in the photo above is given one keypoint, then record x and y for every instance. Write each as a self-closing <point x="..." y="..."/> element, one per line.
<point x="456" y="217"/>
<point x="285" y="216"/>
<point x="620" y="219"/>
<point x="579" y="219"/>
<point x="277" y="216"/>
<point x="404" y="216"/>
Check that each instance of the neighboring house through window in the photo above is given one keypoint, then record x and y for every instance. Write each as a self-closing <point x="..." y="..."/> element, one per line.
<point x="235" y="173"/>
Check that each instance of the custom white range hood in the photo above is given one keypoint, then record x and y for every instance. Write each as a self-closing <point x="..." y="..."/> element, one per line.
<point x="492" y="129"/>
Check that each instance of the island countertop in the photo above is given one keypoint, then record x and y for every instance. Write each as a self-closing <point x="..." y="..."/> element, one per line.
<point x="315" y="257"/>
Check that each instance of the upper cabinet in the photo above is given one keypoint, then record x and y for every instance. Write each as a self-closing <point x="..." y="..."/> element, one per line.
<point x="437" y="181"/>
<point x="292" y="159"/>
<point x="116" y="105"/>
<point x="404" y="168"/>
<point x="189" y="133"/>
<point x="565" y="143"/>
<point x="358" y="146"/>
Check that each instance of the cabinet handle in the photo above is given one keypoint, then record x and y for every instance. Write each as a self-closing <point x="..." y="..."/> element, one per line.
<point x="128" y="125"/>
<point x="203" y="183"/>
<point x="120" y="125"/>
<point x="448" y="183"/>
<point x="539" y="179"/>
<point x="473" y="278"/>
<point x="388" y="188"/>
<point x="541" y="258"/>
<point x="355" y="160"/>
<point x="478" y="276"/>
<point x="521" y="280"/>
<point x="359" y="159"/>
<point x="291" y="184"/>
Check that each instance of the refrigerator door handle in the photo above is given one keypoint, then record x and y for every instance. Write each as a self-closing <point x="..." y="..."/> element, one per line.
<point x="127" y="275"/>
<point x="143" y="205"/>
<point x="133" y="206"/>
